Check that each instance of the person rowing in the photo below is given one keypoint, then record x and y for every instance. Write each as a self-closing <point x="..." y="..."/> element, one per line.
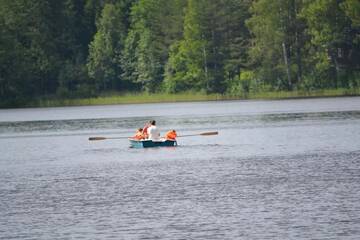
<point x="153" y="132"/>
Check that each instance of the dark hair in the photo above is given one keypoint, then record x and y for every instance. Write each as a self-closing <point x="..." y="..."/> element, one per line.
<point x="153" y="122"/>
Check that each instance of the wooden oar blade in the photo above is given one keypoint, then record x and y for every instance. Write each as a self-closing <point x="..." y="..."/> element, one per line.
<point x="96" y="138"/>
<point x="208" y="133"/>
<point x="200" y="134"/>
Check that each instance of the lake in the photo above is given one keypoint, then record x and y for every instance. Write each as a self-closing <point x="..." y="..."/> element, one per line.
<point x="287" y="169"/>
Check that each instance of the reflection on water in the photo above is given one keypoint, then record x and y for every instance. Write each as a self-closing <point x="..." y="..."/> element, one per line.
<point x="269" y="175"/>
<point x="185" y="123"/>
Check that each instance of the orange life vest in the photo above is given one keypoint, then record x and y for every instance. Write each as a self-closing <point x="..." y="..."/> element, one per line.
<point x="139" y="136"/>
<point x="144" y="132"/>
<point x="171" y="135"/>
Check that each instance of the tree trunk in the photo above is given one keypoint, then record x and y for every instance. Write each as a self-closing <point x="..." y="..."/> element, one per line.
<point x="205" y="68"/>
<point x="298" y="58"/>
<point x="2" y="91"/>
<point x="287" y="64"/>
<point x="295" y="12"/>
<point x="337" y="69"/>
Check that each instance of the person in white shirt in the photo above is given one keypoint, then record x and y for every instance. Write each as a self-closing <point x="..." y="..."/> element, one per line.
<point x="153" y="132"/>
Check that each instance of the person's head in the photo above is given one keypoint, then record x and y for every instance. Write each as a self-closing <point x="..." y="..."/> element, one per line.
<point x="140" y="129"/>
<point x="153" y="122"/>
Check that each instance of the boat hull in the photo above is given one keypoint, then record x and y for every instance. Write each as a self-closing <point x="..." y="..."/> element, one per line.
<point x="150" y="143"/>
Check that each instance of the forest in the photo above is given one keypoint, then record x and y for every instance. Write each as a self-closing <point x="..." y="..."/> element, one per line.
<point x="84" y="48"/>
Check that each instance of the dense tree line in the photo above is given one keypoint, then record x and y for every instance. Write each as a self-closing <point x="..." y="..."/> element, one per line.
<point x="78" y="48"/>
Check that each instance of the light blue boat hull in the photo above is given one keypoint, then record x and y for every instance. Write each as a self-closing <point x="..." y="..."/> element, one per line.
<point x="150" y="143"/>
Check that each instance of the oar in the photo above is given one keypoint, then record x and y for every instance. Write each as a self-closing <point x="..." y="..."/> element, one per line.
<point x="190" y="135"/>
<point x="200" y="134"/>
<point x="105" y="138"/>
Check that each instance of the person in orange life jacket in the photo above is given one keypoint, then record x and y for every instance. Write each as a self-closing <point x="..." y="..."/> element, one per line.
<point x="144" y="131"/>
<point x="171" y="135"/>
<point x="139" y="134"/>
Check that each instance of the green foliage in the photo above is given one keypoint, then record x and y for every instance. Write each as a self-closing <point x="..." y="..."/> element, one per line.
<point x="104" y="53"/>
<point x="155" y="25"/>
<point x="187" y="59"/>
<point x="243" y="84"/>
<point x="28" y="63"/>
<point x="278" y="42"/>
<point x="333" y="49"/>
<point x="81" y="48"/>
<point x="212" y="50"/>
<point x="184" y="69"/>
<point x="352" y="10"/>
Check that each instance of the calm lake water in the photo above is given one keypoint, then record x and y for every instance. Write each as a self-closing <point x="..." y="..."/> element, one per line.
<point x="277" y="170"/>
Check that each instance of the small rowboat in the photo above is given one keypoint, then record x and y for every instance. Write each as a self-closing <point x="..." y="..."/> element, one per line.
<point x="149" y="143"/>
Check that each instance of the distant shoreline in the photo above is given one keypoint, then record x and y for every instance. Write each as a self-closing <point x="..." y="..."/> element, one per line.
<point x="139" y="98"/>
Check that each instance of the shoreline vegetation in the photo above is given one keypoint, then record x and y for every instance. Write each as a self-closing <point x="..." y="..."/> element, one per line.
<point x="139" y="98"/>
<point x="70" y="53"/>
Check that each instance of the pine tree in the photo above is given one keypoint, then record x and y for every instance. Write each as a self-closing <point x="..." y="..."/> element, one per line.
<point x="278" y="39"/>
<point x="154" y="27"/>
<point x="213" y="48"/>
<point x="105" y="50"/>
<point x="333" y="42"/>
<point x="29" y="29"/>
<point x="187" y="67"/>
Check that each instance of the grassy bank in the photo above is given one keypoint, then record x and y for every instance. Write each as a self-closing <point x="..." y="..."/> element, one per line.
<point x="187" y="97"/>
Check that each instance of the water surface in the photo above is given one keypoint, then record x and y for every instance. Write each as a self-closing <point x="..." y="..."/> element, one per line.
<point x="278" y="170"/>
